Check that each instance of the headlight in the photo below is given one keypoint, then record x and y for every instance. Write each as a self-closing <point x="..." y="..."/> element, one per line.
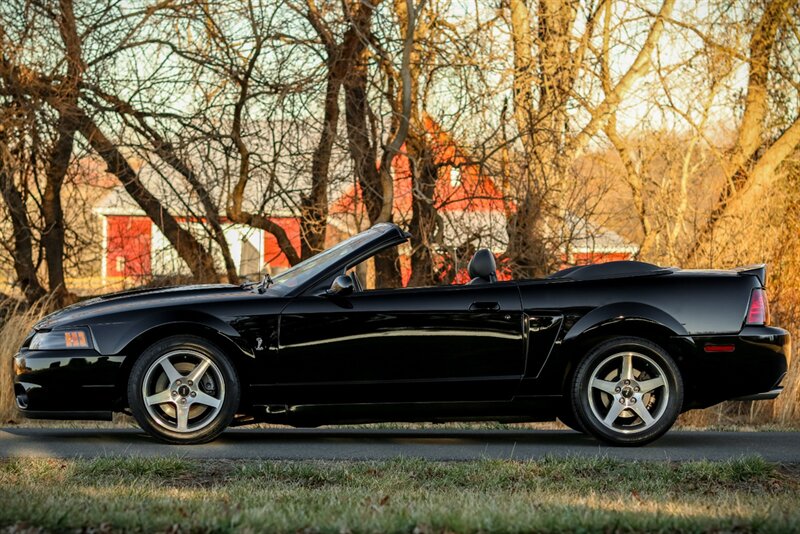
<point x="75" y="338"/>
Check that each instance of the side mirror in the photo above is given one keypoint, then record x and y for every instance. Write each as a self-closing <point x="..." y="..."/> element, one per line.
<point x="341" y="286"/>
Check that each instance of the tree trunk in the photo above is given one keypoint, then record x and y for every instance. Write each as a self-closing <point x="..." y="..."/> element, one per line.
<point x="22" y="252"/>
<point x="52" y="211"/>
<point x="423" y="224"/>
<point x="364" y="155"/>
<point x="424" y="172"/>
<point x="60" y="155"/>
<point x="314" y="206"/>
<point x="539" y="128"/>
<point x="361" y="142"/>
<point x="198" y="259"/>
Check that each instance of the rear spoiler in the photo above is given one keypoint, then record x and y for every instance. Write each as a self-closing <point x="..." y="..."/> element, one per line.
<point x="759" y="271"/>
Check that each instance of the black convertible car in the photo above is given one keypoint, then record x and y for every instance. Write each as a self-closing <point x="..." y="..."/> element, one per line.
<point x="617" y="350"/>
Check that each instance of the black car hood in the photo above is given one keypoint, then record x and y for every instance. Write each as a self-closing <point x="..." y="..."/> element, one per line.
<point x="135" y="299"/>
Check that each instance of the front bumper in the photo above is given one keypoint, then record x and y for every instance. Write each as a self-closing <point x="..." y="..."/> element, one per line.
<point x="752" y="366"/>
<point x="67" y="384"/>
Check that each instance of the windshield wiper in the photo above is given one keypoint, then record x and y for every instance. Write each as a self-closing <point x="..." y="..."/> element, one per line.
<point x="265" y="283"/>
<point x="261" y="285"/>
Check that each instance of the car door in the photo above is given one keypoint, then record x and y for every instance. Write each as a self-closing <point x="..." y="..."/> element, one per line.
<point x="454" y="343"/>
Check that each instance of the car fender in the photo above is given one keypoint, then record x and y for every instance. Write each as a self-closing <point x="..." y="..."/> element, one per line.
<point x="113" y="337"/>
<point x="618" y="312"/>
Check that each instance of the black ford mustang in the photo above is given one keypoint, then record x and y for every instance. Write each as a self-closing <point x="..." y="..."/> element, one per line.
<point x="617" y="350"/>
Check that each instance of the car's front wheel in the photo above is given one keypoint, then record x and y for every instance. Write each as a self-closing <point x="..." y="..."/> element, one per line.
<point x="627" y="391"/>
<point x="183" y="390"/>
<point x="567" y="418"/>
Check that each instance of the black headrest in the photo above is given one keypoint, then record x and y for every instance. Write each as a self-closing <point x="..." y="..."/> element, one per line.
<point x="482" y="265"/>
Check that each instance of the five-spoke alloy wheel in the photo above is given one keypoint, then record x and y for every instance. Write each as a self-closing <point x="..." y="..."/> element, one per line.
<point x="183" y="390"/>
<point x="627" y="391"/>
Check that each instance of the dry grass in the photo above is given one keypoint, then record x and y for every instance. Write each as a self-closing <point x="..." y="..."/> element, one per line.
<point x="16" y="324"/>
<point x="404" y="495"/>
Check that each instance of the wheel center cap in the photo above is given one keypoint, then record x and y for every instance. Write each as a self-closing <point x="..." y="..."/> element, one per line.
<point x="627" y="392"/>
<point x="184" y="391"/>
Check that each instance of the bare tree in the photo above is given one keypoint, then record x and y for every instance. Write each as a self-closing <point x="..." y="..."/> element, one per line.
<point x="61" y="91"/>
<point x="756" y="155"/>
<point x="189" y="249"/>
<point x="546" y="71"/>
<point x="659" y="167"/>
<point x="21" y="250"/>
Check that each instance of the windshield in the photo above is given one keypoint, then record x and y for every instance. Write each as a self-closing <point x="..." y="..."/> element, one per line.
<point x="308" y="269"/>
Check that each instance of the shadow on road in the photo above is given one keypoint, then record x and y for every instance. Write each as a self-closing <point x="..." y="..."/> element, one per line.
<point x="324" y="443"/>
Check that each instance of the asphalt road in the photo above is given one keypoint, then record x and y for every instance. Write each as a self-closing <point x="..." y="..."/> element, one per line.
<point x="369" y="444"/>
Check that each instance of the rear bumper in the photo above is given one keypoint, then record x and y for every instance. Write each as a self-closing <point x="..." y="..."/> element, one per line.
<point x="767" y="395"/>
<point x="751" y="366"/>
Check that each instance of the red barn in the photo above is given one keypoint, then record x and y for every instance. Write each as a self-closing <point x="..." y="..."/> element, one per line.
<point x="135" y="249"/>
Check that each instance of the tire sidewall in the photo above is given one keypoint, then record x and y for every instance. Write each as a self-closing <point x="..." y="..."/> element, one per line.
<point x="583" y="376"/>
<point x="230" y="403"/>
<point x="568" y="419"/>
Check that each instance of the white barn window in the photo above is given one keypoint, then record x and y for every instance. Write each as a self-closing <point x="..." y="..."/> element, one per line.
<point x="455" y="176"/>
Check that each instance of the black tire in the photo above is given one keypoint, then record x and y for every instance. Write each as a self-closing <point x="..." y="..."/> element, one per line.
<point x="183" y="411"/>
<point x="642" y="414"/>
<point x="568" y="418"/>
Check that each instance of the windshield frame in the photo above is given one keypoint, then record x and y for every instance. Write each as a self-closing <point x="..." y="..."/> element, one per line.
<point x="325" y="263"/>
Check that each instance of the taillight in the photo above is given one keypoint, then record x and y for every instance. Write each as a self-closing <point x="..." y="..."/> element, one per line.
<point x="758" y="313"/>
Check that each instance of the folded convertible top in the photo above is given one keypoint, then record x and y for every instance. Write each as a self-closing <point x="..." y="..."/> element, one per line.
<point x="614" y="269"/>
<point x="625" y="269"/>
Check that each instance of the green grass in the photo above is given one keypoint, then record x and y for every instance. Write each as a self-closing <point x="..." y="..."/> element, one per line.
<point x="591" y="495"/>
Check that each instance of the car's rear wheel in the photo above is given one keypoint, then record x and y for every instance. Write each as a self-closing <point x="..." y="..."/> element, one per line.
<point x="627" y="391"/>
<point x="183" y="390"/>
